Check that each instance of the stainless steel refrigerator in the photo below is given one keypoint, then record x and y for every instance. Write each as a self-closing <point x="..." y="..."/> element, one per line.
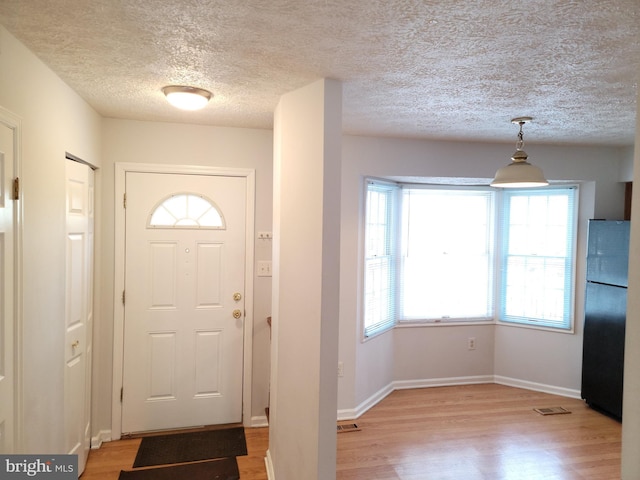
<point x="605" y="315"/>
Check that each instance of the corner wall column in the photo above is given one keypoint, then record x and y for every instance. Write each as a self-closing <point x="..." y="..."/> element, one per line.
<point x="306" y="268"/>
<point x="631" y="405"/>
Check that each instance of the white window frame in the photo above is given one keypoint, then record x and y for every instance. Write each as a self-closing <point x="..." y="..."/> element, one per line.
<point x="497" y="277"/>
<point x="197" y="219"/>
<point x="475" y="191"/>
<point x="389" y="321"/>
<point x="567" y="324"/>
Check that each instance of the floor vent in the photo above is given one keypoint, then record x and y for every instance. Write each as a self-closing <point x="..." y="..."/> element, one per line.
<point x="348" y="427"/>
<point x="551" y="410"/>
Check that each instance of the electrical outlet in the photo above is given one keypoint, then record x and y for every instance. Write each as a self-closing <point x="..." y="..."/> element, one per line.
<point x="471" y="343"/>
<point x="340" y="369"/>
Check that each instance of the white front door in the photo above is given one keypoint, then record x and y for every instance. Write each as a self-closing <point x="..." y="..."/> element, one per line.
<point x="184" y="300"/>
<point x="78" y="309"/>
<point x="7" y="151"/>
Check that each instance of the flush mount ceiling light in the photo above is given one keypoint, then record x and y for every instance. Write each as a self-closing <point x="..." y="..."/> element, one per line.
<point x="186" y="98"/>
<point x="519" y="173"/>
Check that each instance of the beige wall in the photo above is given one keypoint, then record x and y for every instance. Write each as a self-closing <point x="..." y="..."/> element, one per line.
<point x="55" y="120"/>
<point x="307" y="137"/>
<point x="127" y="141"/>
<point x="631" y="404"/>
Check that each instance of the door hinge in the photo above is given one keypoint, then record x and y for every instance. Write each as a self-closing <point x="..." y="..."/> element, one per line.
<point x="16" y="189"/>
<point x="121" y="394"/>
<point x="123" y="296"/>
<point x="124" y="200"/>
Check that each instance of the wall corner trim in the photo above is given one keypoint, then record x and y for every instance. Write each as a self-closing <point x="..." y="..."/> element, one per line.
<point x="269" y="465"/>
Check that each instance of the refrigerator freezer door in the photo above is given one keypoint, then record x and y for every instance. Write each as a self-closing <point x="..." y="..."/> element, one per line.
<point x="608" y="252"/>
<point x="603" y="348"/>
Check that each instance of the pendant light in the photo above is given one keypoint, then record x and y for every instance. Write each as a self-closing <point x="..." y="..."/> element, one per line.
<point x="519" y="173"/>
<point x="186" y="98"/>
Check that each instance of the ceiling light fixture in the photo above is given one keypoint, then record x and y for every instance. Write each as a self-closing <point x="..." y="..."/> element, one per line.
<point x="186" y="98"/>
<point x="519" y="173"/>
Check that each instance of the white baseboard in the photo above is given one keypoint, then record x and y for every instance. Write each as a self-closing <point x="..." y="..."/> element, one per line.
<point x="347" y="414"/>
<point x="537" y="387"/>
<point x="102" y="436"/>
<point x="269" y="465"/>
<point x="441" y="382"/>
<point x="354" y="413"/>
<point x="259" y="421"/>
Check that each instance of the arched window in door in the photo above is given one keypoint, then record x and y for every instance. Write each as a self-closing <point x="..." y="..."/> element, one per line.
<point x="186" y="210"/>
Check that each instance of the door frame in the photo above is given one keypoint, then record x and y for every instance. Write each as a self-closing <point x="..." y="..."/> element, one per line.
<point x="13" y="122"/>
<point x="121" y="170"/>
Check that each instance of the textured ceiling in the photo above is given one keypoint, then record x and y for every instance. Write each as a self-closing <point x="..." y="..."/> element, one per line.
<point x="446" y="69"/>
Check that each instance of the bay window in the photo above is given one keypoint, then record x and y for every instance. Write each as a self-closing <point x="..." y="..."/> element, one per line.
<point x="444" y="254"/>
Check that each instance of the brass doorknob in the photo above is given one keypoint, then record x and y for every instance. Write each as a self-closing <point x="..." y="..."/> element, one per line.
<point x="75" y="344"/>
<point x="237" y="313"/>
<point x="237" y="296"/>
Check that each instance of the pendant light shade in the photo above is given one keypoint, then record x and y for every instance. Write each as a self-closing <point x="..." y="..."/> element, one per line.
<point x="186" y="98"/>
<point x="519" y="173"/>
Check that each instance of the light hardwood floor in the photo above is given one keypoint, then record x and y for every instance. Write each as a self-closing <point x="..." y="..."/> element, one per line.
<point x="472" y="432"/>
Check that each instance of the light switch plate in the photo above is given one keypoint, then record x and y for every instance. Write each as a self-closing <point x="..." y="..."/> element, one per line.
<point x="264" y="268"/>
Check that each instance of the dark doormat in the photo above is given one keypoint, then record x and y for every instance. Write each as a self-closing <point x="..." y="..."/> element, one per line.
<point x="191" y="447"/>
<point x="222" y="469"/>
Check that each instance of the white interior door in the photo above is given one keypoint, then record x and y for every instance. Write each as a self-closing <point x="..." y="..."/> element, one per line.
<point x="7" y="379"/>
<point x="79" y="309"/>
<point x="184" y="300"/>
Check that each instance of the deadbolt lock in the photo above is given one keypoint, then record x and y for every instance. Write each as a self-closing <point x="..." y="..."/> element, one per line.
<point x="237" y="313"/>
<point x="237" y="296"/>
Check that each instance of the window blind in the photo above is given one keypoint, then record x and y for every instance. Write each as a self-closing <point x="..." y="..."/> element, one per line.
<point x="537" y="256"/>
<point x="380" y="258"/>
<point x="446" y="254"/>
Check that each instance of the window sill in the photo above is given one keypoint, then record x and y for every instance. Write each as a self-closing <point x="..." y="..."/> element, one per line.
<point x="569" y="331"/>
<point x="465" y="323"/>
<point x="443" y="323"/>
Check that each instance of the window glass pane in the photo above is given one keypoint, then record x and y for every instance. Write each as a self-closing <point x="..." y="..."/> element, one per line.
<point x="161" y="216"/>
<point x="379" y="276"/>
<point x="186" y="222"/>
<point x="211" y="218"/>
<point x="538" y="257"/>
<point x="446" y="254"/>
<point x="197" y="206"/>
<point x="176" y="205"/>
<point x="186" y="211"/>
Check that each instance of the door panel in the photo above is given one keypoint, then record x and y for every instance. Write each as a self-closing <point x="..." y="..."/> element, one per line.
<point x="183" y="348"/>
<point x="79" y="310"/>
<point x="6" y="292"/>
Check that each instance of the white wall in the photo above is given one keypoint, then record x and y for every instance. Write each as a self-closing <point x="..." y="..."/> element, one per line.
<point x="179" y="144"/>
<point x="630" y="404"/>
<point x="427" y="353"/>
<point x="55" y="120"/>
<point x="307" y="139"/>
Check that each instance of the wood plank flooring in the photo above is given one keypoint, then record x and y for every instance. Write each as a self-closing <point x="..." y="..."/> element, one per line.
<point x="479" y="432"/>
<point x="472" y="432"/>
